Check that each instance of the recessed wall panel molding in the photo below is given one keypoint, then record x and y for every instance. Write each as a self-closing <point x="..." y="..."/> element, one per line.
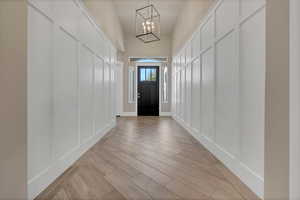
<point x="226" y="16"/>
<point x="106" y="93"/>
<point x="250" y="7"/>
<point x="67" y="15"/>
<point x="196" y="44"/>
<point x="173" y="89"/>
<point x="112" y="91"/>
<point x="70" y="107"/>
<point x="227" y="87"/>
<point x="183" y="58"/>
<point x="196" y="95"/>
<point x="208" y="95"/>
<point x="86" y="29"/>
<point x="188" y="52"/>
<point x="86" y="92"/>
<point x="188" y="93"/>
<point x="99" y="96"/>
<point x="40" y="95"/>
<point x="252" y="77"/>
<point x="65" y="94"/>
<point x="227" y="96"/>
<point x="178" y="110"/>
<point x="46" y="7"/>
<point x="207" y="33"/>
<point x="182" y="93"/>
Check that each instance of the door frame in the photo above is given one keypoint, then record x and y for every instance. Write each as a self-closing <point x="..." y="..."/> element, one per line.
<point x="137" y="64"/>
<point x="119" y="87"/>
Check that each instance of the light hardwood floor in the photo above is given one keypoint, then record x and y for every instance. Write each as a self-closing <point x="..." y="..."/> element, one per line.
<point x="147" y="158"/>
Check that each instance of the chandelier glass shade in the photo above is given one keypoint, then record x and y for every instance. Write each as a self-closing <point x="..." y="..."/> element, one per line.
<point x="147" y="24"/>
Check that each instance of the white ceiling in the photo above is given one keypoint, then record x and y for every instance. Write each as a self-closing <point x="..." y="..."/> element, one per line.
<point x="168" y="9"/>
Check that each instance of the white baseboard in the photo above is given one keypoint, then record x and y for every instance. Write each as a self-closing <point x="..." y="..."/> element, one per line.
<point x="165" y="114"/>
<point x="250" y="178"/>
<point x="129" y="114"/>
<point x="40" y="182"/>
<point x="134" y="114"/>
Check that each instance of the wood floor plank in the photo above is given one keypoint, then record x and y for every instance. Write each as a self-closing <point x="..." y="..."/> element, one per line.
<point x="155" y="190"/>
<point x="176" y="161"/>
<point x="126" y="187"/>
<point x="114" y="195"/>
<point x="186" y="191"/>
<point x="118" y="163"/>
<point x="143" y="168"/>
<point x="237" y="184"/>
<point x="147" y="158"/>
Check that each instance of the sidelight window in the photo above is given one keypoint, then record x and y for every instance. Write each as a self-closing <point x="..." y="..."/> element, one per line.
<point x="165" y="84"/>
<point x="131" y="85"/>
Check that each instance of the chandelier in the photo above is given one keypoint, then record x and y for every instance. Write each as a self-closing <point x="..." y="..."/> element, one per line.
<point x="147" y="23"/>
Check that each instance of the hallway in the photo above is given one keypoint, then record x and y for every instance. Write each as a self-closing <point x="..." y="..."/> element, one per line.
<point x="147" y="158"/>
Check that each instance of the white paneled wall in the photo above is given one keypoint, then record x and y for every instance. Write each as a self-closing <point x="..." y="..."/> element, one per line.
<point x="70" y="88"/>
<point x="220" y="89"/>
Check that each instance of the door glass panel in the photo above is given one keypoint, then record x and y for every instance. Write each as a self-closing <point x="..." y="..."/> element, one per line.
<point x="148" y="74"/>
<point x="153" y="75"/>
<point x="142" y="74"/>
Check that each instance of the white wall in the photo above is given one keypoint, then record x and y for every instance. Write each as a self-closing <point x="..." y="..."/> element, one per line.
<point x="227" y="87"/>
<point x="70" y="84"/>
<point x="294" y="99"/>
<point x="13" y="86"/>
<point x="104" y="14"/>
<point x="277" y="150"/>
<point x="190" y="17"/>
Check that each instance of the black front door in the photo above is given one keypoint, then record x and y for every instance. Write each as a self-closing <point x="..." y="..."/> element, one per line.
<point x="148" y="91"/>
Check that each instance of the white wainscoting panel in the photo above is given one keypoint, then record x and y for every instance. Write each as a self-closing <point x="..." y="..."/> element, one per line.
<point x="40" y="95"/>
<point x="106" y="93"/>
<point x="226" y="16"/>
<point x="178" y="88"/>
<point x="208" y="95"/>
<point x="67" y="15"/>
<point x="249" y="7"/>
<point x="196" y="44"/>
<point x="183" y="93"/>
<point x="188" y="93"/>
<point x="65" y="135"/>
<point x="227" y="99"/>
<point x="207" y="33"/>
<point x="188" y="52"/>
<point x="196" y="94"/>
<point x="99" y="96"/>
<point x="252" y="75"/>
<point x="86" y="93"/>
